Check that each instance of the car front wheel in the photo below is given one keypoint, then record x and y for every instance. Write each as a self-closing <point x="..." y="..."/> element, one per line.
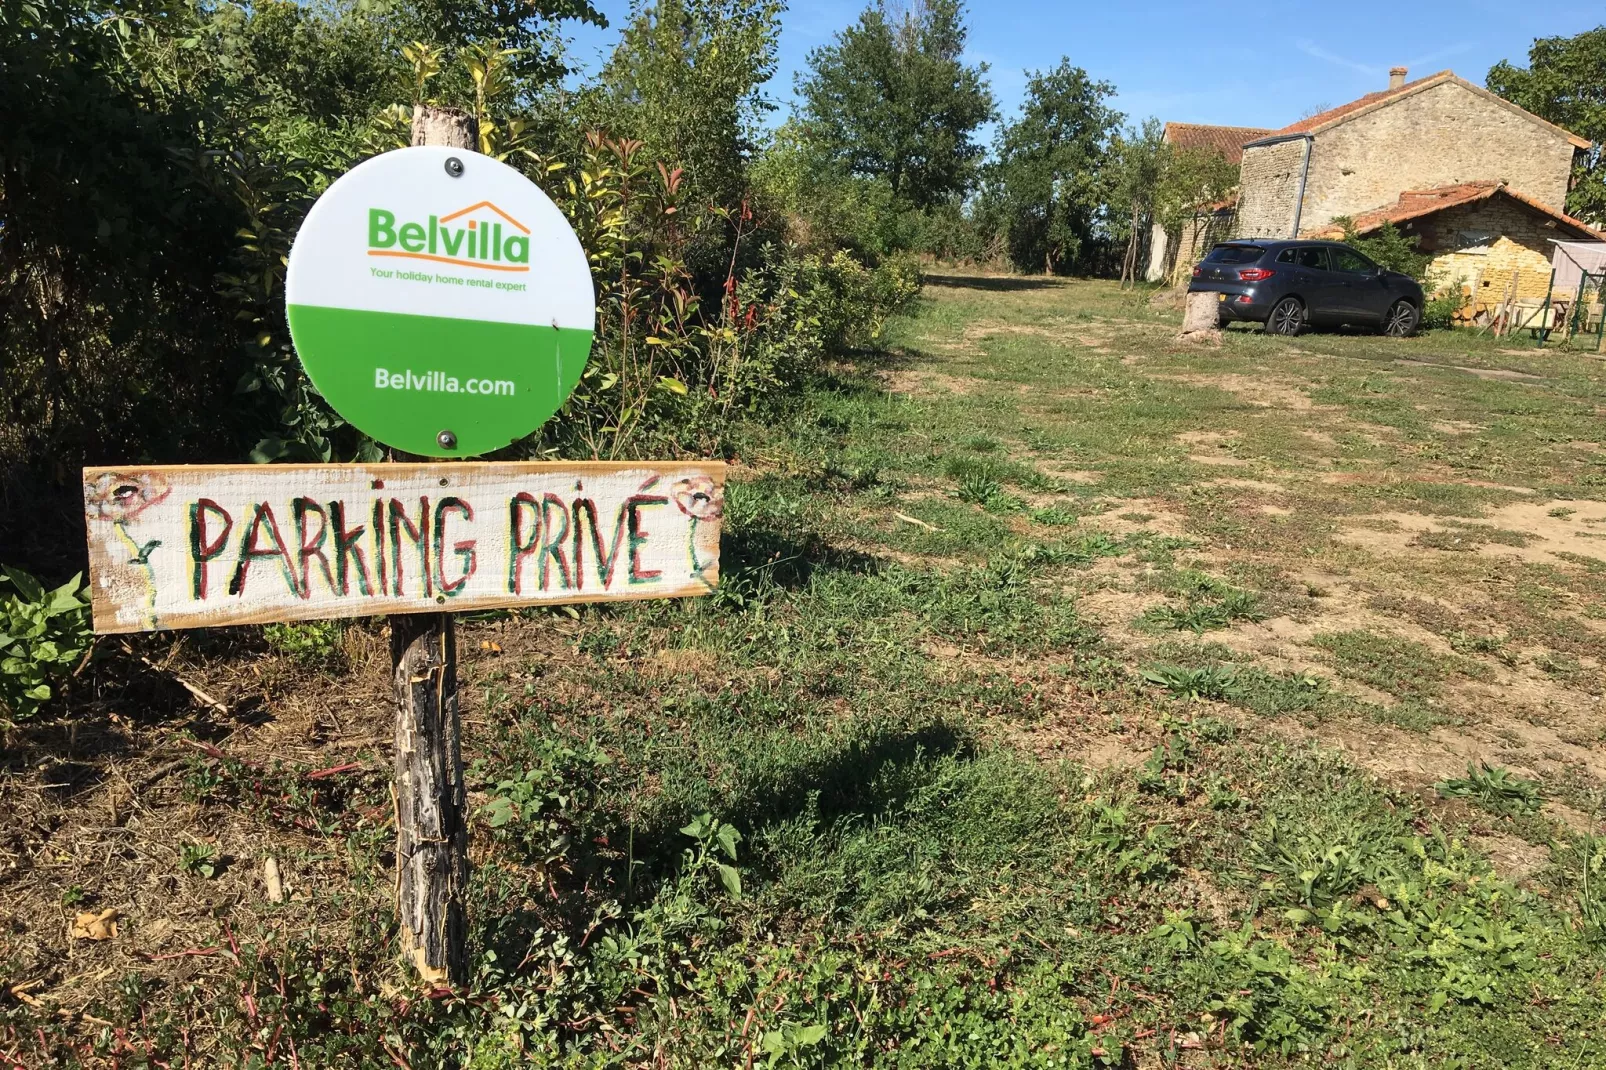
<point x="1287" y="317"/>
<point x="1401" y="320"/>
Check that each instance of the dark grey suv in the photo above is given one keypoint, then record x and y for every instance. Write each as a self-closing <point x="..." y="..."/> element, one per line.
<point x="1288" y="285"/>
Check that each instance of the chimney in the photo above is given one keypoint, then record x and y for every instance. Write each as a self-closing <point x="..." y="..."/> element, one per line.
<point x="1396" y="77"/>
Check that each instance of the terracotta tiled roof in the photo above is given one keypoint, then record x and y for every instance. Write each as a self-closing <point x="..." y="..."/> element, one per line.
<point x="1416" y="203"/>
<point x="1321" y="120"/>
<point x="1226" y="140"/>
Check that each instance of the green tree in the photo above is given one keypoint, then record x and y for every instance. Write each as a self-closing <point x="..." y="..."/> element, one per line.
<point x="1050" y="181"/>
<point x="529" y="27"/>
<point x="892" y="99"/>
<point x="155" y="160"/>
<point x="819" y="207"/>
<point x="1191" y="181"/>
<point x="1565" y="82"/>
<point x="687" y="79"/>
<point x="1388" y="247"/>
<point x="1138" y="162"/>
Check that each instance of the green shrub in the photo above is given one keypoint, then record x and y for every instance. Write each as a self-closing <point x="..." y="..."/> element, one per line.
<point x="800" y="309"/>
<point x="1388" y="247"/>
<point x="43" y="637"/>
<point x="1445" y="299"/>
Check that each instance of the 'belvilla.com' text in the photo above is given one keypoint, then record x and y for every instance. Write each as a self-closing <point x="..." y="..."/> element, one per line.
<point x="440" y="383"/>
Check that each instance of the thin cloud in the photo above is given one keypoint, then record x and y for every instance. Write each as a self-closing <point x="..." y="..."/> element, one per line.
<point x="1311" y="48"/>
<point x="1443" y="53"/>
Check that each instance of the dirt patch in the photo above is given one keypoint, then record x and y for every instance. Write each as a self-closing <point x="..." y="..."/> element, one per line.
<point x="1072" y="475"/>
<point x="1497" y="374"/>
<point x="1457" y="427"/>
<point x="1552" y="534"/>
<point x="1249" y="484"/>
<point x="928" y="384"/>
<point x="1513" y="858"/>
<point x="1548" y="535"/>
<point x="1260" y="392"/>
<point x="1161" y="518"/>
<point x="1220" y="460"/>
<point x="1207" y="438"/>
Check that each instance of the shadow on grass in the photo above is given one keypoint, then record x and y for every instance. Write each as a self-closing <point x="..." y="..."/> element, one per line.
<point x="993" y="283"/>
<point x="859" y="779"/>
<point x="757" y="561"/>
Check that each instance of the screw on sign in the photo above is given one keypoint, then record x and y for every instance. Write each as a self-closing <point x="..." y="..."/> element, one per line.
<point x="440" y="303"/>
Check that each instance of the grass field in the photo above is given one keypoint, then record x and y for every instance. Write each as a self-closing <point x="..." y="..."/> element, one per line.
<point x="1073" y="698"/>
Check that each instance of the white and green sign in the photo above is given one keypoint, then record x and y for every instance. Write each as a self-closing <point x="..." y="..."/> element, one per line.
<point x="440" y="301"/>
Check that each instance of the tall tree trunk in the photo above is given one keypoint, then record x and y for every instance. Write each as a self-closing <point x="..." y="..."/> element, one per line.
<point x="1129" y="263"/>
<point x="431" y="823"/>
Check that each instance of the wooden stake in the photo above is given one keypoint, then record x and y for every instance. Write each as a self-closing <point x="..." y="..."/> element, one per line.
<point x="431" y="822"/>
<point x="431" y="826"/>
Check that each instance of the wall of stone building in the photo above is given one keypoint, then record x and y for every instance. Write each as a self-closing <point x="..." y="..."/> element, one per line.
<point x="1197" y="236"/>
<point x="1487" y="244"/>
<point x="1268" y="188"/>
<point x="1436" y="137"/>
<point x="1159" y="254"/>
<point x="1172" y="255"/>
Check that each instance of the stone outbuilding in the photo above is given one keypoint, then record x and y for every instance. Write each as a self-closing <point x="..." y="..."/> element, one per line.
<point x="1496" y="242"/>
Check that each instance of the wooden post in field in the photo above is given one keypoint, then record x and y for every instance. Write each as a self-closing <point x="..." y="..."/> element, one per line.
<point x="431" y="803"/>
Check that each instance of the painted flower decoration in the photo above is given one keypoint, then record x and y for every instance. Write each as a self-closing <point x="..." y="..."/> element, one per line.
<point x="699" y="497"/>
<point x="123" y="495"/>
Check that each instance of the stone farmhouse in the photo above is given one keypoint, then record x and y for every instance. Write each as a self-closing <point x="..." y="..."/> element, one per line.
<point x="1480" y="181"/>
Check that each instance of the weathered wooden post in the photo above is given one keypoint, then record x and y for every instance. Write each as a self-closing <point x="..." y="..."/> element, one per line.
<point x="431" y="823"/>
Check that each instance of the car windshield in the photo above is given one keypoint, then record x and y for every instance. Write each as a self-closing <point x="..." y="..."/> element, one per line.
<point x="1235" y="254"/>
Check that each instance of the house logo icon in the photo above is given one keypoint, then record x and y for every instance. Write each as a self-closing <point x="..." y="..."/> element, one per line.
<point x="479" y="236"/>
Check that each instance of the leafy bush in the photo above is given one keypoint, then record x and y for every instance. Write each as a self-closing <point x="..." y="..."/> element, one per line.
<point x="43" y="636"/>
<point x="979" y="489"/>
<point x="1389" y="248"/>
<point x="1445" y="300"/>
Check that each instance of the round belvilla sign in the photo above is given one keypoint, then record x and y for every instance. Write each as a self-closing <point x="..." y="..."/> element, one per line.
<point x="440" y="301"/>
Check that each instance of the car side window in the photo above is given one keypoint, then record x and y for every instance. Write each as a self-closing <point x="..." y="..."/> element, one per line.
<point x="1350" y="261"/>
<point x="1287" y="256"/>
<point x="1314" y="257"/>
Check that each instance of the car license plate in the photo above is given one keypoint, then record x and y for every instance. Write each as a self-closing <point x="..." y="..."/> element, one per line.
<point x="1221" y="297"/>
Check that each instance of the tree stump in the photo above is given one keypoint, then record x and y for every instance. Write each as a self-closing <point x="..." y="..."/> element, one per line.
<point x="431" y="823"/>
<point x="1200" y="318"/>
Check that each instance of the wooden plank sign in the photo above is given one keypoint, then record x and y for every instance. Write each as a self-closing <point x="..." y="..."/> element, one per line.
<point x="189" y="546"/>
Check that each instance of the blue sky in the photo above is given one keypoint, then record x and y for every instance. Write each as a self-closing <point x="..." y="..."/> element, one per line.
<point x="1184" y="62"/>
